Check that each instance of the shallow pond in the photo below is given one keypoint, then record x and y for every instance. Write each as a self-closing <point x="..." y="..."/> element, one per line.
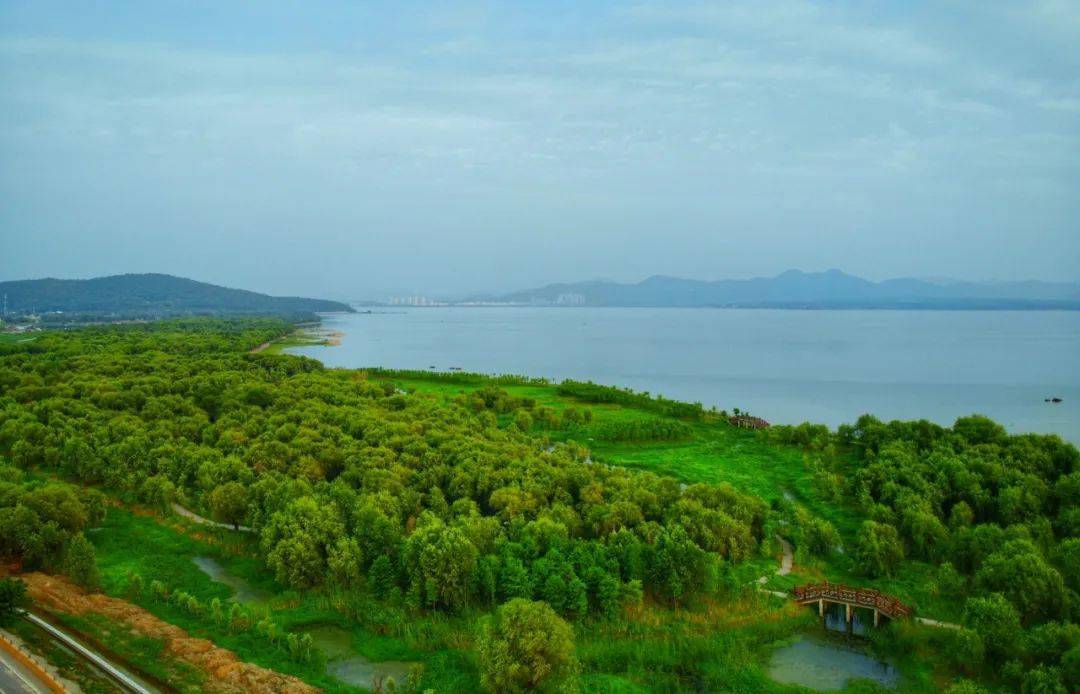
<point x="826" y="667"/>
<point x="345" y="664"/>
<point x="242" y="590"/>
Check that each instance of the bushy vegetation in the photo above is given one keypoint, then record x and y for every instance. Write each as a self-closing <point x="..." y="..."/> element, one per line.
<point x="997" y="514"/>
<point x="12" y="599"/>
<point x="592" y="392"/>
<point x="42" y="525"/>
<point x="351" y="484"/>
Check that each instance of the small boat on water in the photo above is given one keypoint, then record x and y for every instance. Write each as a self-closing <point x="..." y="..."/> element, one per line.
<point x="1054" y="400"/>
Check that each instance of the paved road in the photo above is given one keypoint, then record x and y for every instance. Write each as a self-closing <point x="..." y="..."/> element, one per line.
<point x="192" y="516"/>
<point x="15" y="678"/>
<point x="123" y="678"/>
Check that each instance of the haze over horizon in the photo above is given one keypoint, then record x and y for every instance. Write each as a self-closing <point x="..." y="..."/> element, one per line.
<point x="491" y="147"/>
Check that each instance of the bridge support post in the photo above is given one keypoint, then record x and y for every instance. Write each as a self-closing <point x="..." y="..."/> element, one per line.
<point x="877" y="616"/>
<point x="848" y="614"/>
<point x="821" y="608"/>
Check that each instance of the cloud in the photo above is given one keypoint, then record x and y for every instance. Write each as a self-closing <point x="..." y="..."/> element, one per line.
<point x="783" y="117"/>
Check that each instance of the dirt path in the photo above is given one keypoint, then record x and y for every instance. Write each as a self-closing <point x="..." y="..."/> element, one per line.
<point x="225" y="672"/>
<point x="787" y="560"/>
<point x="256" y="350"/>
<point x="935" y="623"/>
<point x="192" y="516"/>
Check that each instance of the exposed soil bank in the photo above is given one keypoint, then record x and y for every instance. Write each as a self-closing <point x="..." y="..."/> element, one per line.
<point x="225" y="671"/>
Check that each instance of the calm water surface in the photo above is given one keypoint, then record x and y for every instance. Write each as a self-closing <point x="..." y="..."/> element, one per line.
<point x="243" y="591"/>
<point x="343" y="663"/>
<point x="785" y="366"/>
<point x="827" y="667"/>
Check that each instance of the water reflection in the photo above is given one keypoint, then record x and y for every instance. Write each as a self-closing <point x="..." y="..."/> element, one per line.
<point x="862" y="620"/>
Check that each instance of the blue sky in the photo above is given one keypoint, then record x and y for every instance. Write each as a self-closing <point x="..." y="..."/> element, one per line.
<point x="362" y="149"/>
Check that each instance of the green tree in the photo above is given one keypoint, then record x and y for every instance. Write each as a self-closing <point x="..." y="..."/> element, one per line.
<point x="675" y="565"/>
<point x="523" y="421"/>
<point x="439" y="561"/>
<point x="158" y="491"/>
<point x="12" y="600"/>
<point x="1070" y="668"/>
<point x="877" y="550"/>
<point x="1067" y="558"/>
<point x="996" y="620"/>
<point x="514" y="579"/>
<point x="344" y="562"/>
<point x="1043" y="680"/>
<point x="381" y="578"/>
<point x="1019" y="572"/>
<point x="819" y="537"/>
<point x="525" y="646"/>
<point x="80" y="562"/>
<point x="298" y="538"/>
<point x="229" y="503"/>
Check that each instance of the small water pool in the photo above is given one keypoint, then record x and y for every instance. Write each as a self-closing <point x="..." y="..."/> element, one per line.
<point x="242" y="590"/>
<point x="827" y="667"/>
<point x="345" y="664"/>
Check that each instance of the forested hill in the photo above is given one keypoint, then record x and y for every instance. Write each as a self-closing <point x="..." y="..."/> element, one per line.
<point x="150" y="295"/>
<point x="795" y="289"/>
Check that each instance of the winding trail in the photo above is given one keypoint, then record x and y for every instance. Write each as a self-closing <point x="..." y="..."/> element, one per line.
<point x="786" y="561"/>
<point x="192" y="516"/>
<point x="935" y="623"/>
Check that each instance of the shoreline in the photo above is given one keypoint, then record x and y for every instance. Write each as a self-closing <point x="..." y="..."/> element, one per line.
<point x="1019" y="407"/>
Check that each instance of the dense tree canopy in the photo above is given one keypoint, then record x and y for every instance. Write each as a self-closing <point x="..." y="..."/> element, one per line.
<point x="351" y="481"/>
<point x="999" y="513"/>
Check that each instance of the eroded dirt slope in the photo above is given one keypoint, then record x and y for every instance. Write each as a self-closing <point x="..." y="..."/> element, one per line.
<point x="226" y="672"/>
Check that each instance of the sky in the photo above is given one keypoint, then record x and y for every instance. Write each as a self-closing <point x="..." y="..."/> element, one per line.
<point x="360" y="150"/>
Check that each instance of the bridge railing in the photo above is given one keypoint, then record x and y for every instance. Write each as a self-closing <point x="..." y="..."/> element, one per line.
<point x="860" y="597"/>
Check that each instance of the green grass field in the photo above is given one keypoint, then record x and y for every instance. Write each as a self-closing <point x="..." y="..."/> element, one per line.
<point x="12" y="338"/>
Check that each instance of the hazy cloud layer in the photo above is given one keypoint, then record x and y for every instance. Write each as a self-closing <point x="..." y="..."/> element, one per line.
<point x="326" y="148"/>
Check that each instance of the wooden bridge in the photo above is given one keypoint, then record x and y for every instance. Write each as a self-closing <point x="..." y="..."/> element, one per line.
<point x="851" y="597"/>
<point x="745" y="421"/>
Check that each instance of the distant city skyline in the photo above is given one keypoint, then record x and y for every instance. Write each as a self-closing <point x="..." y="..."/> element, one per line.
<point x="489" y="296"/>
<point x="364" y="151"/>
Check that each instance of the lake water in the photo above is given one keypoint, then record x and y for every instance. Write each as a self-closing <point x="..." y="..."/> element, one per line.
<point x="785" y="366"/>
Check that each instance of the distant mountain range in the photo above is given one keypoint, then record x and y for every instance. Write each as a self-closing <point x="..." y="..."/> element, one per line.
<point x="832" y="289"/>
<point x="149" y="296"/>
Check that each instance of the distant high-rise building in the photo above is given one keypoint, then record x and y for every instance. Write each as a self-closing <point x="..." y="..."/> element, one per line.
<point x="415" y="301"/>
<point x="570" y="299"/>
